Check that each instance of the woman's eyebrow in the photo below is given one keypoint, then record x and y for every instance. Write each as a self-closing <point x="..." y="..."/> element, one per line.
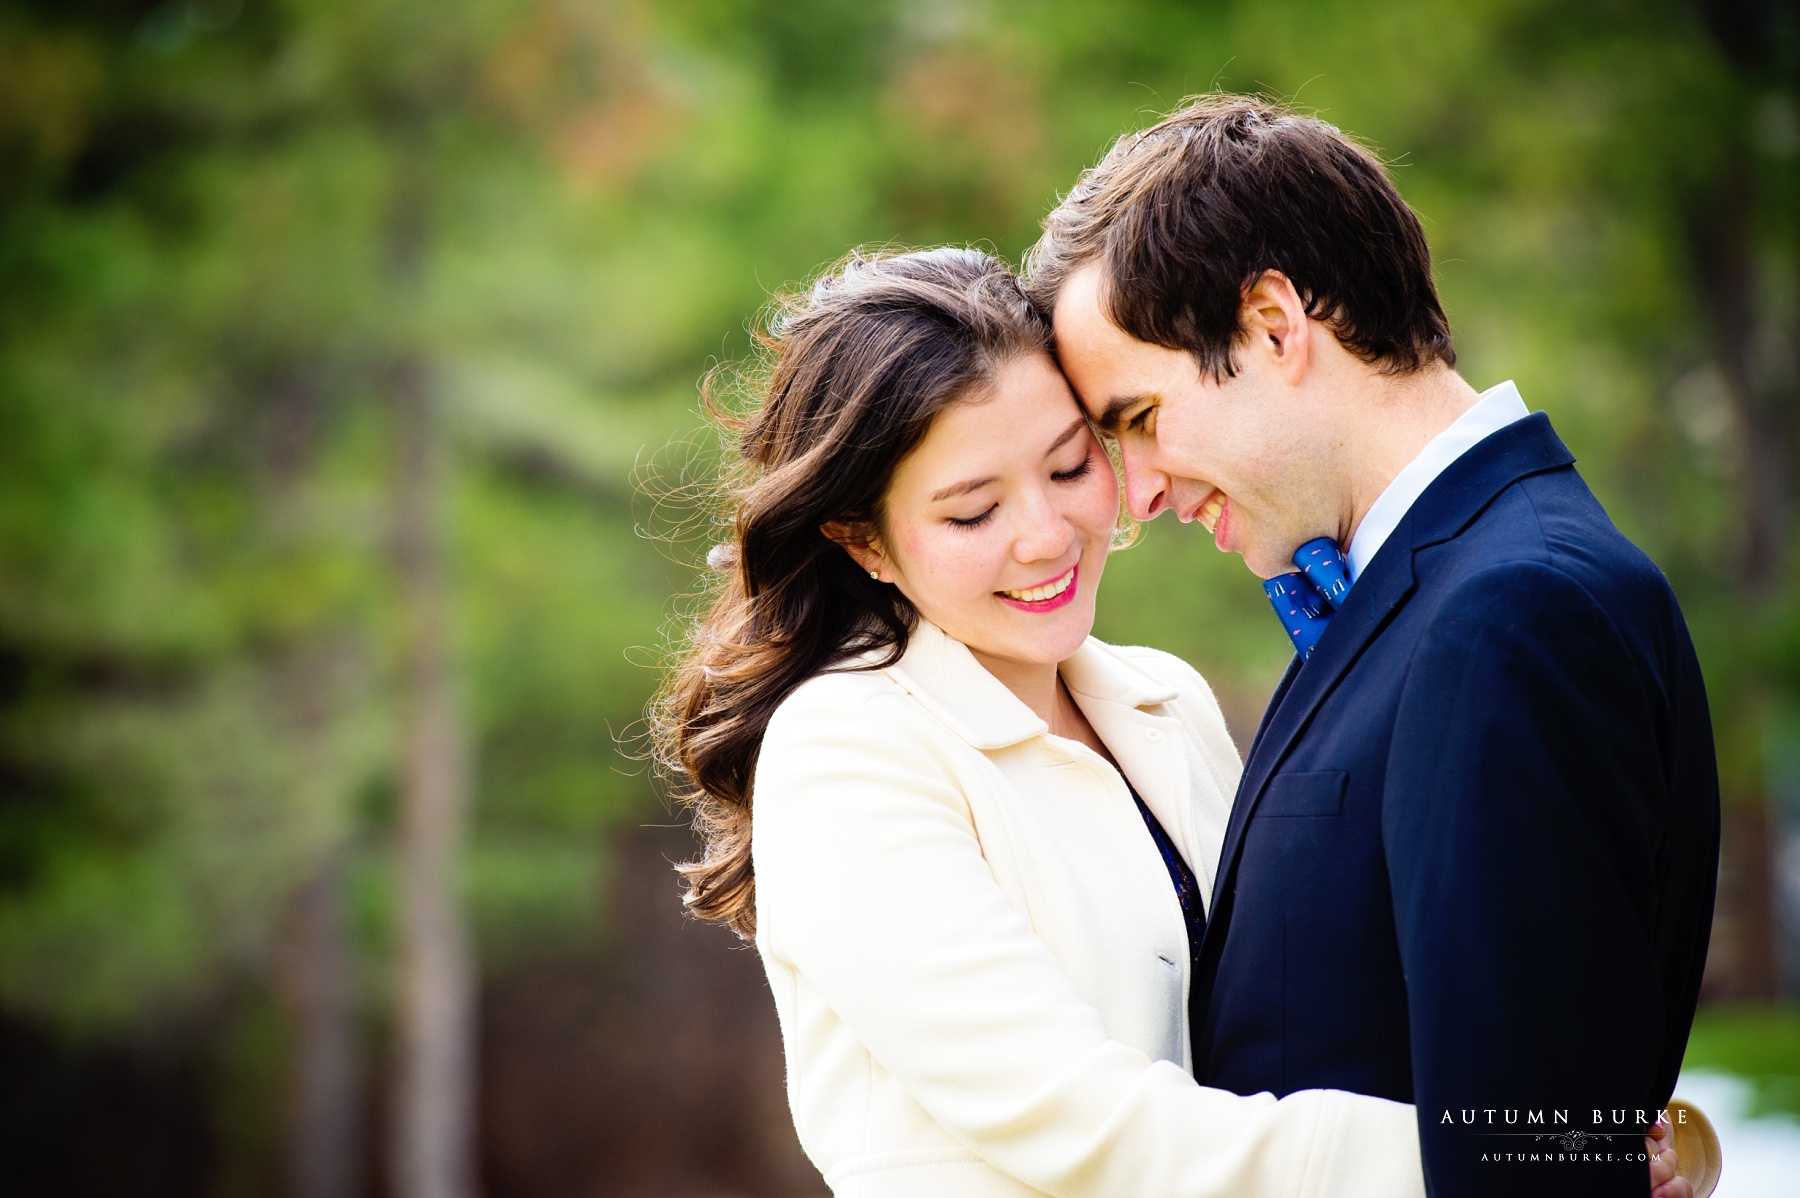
<point x="1068" y="434"/>
<point x="963" y="488"/>
<point x="975" y="484"/>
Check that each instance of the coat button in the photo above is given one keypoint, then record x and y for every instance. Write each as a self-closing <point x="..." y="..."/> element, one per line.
<point x="1152" y="734"/>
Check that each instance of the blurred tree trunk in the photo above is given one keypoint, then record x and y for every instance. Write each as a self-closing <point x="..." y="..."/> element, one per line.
<point x="313" y="684"/>
<point x="324" y="1121"/>
<point x="1720" y="242"/>
<point x="1724" y="245"/>
<point x="432" y="1151"/>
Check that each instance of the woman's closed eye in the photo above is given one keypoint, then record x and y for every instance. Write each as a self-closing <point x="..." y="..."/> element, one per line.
<point x="1078" y="471"/>
<point x="972" y="521"/>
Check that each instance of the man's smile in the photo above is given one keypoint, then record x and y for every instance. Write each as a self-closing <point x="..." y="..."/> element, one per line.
<point x="1211" y="510"/>
<point x="1207" y="511"/>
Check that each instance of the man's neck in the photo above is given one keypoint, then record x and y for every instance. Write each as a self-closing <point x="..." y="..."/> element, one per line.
<point x="1400" y="416"/>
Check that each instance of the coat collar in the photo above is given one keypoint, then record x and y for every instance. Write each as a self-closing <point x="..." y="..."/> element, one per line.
<point x="1121" y="700"/>
<point x="1452" y="502"/>
<point x="939" y="671"/>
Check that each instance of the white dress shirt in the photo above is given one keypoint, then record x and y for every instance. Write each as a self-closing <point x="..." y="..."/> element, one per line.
<point x="1498" y="407"/>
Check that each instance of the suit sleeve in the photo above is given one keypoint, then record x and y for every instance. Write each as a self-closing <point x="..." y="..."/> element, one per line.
<point x="1523" y="804"/>
<point x="872" y="884"/>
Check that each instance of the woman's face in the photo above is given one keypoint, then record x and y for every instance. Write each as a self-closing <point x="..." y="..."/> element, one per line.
<point x="998" y="525"/>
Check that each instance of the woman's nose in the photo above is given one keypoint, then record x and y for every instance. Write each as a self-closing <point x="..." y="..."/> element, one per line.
<point x="1044" y="531"/>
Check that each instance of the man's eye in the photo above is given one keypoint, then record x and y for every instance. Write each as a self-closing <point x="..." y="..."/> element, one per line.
<point x="1140" y="421"/>
<point x="972" y="521"/>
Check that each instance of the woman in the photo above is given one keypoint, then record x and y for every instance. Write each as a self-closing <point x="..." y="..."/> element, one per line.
<point x="982" y="840"/>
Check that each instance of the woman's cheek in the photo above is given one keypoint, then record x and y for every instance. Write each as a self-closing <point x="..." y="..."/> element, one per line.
<point x="956" y="562"/>
<point x="1101" y="512"/>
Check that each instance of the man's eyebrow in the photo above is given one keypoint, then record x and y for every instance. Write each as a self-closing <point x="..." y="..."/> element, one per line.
<point x="1108" y="420"/>
<point x="963" y="488"/>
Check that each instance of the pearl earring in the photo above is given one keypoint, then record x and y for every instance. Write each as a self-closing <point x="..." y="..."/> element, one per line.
<point x="875" y="574"/>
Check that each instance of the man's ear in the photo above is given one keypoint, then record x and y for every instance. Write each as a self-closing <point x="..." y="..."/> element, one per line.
<point x="1276" y="323"/>
<point x="864" y="549"/>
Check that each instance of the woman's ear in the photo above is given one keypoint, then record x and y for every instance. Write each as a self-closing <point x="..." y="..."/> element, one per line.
<point x="864" y="549"/>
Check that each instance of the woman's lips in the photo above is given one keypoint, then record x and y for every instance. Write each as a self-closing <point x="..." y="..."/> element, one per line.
<point x="1047" y="596"/>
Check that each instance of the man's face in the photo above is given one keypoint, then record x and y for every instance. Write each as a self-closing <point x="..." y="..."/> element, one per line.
<point x="1247" y="457"/>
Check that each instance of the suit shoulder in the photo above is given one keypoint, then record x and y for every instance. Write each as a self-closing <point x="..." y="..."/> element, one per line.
<point x="1538" y="612"/>
<point x="1514" y="589"/>
<point x="1548" y="537"/>
<point x="1579" y="537"/>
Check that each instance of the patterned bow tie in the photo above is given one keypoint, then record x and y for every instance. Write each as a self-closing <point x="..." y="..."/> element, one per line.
<point x="1305" y="600"/>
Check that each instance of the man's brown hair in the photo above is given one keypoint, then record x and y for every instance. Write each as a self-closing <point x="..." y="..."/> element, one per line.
<point x="1188" y="214"/>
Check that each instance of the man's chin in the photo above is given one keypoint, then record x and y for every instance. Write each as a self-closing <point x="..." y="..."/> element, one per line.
<point x="1232" y="536"/>
<point x="1262" y="565"/>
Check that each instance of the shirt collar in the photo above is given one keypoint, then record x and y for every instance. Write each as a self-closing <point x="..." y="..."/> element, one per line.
<point x="939" y="671"/>
<point x="1497" y="407"/>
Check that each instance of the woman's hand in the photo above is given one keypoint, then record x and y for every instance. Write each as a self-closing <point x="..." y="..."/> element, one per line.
<point x="1659" y="1142"/>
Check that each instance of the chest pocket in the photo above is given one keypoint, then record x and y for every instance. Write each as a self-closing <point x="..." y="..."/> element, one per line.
<point x="1292" y="795"/>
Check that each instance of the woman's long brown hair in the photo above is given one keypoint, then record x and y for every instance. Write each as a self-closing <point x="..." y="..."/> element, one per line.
<point x="857" y="368"/>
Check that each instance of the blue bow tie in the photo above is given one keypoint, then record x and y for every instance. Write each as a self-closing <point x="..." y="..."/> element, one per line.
<point x="1304" y="601"/>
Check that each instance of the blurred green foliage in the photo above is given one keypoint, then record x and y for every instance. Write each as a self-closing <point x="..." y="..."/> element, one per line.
<point x="199" y="302"/>
<point x="1759" y="1044"/>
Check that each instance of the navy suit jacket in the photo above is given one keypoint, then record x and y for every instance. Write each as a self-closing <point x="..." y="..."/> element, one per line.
<point x="1472" y="858"/>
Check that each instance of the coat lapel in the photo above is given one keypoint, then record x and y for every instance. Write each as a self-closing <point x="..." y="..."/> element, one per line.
<point x="1123" y="703"/>
<point x="940" y="672"/>
<point x="1127" y="708"/>
<point x="1449" y="505"/>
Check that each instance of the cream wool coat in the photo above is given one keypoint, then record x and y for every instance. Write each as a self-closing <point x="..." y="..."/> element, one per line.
<point x="978" y="959"/>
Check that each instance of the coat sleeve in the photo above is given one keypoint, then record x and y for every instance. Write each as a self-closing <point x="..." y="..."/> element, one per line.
<point x="871" y="883"/>
<point x="1523" y="802"/>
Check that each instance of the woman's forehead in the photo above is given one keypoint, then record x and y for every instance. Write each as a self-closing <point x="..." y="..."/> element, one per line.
<point x="1012" y="424"/>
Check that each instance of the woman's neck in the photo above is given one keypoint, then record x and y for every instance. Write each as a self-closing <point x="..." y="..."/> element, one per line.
<point x="1041" y="688"/>
<point x="1033" y="684"/>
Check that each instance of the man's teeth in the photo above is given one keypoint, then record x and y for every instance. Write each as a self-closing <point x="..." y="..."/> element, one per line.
<point x="1039" y="594"/>
<point x="1208" y="515"/>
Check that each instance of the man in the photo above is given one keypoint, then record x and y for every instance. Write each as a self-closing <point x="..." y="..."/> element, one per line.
<point x="1471" y="862"/>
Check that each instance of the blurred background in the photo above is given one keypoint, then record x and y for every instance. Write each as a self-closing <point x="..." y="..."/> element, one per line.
<point x="349" y="354"/>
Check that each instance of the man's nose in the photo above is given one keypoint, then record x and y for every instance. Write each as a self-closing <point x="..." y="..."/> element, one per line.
<point x="1146" y="488"/>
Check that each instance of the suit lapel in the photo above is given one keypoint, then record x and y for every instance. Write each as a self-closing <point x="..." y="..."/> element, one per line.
<point x="1453" y="500"/>
<point x="1281" y="689"/>
<point x="1382" y="589"/>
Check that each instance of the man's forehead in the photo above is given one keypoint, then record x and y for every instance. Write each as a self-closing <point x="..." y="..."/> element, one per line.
<point x="1079" y="315"/>
<point x="1087" y="347"/>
